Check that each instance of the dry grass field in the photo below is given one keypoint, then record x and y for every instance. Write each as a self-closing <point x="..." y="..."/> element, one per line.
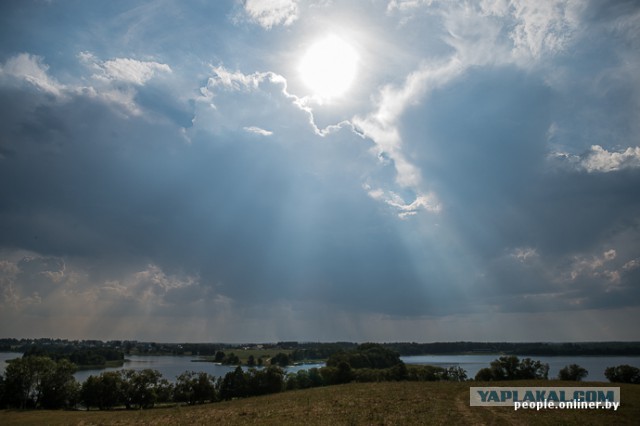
<point x="392" y="403"/>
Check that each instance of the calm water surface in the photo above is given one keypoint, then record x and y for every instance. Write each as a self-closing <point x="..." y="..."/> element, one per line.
<point x="595" y="365"/>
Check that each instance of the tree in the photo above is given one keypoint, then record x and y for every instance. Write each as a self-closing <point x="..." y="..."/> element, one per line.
<point x="231" y="359"/>
<point x="623" y="374"/>
<point x="315" y="377"/>
<point x="399" y="371"/>
<point x="38" y="381"/>
<point x="251" y="361"/>
<point x="281" y="359"/>
<point x="505" y="368"/>
<point x="425" y="373"/>
<point x="572" y="372"/>
<point x="511" y="368"/>
<point x="141" y="387"/>
<point x="59" y="388"/>
<point x="455" y="374"/>
<point x="104" y="391"/>
<point x="268" y="380"/>
<point x="194" y="388"/>
<point x="366" y="355"/>
<point x="530" y="369"/>
<point x="484" y="375"/>
<point x="234" y="385"/>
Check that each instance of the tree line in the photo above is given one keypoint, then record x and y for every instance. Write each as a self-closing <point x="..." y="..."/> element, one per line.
<point x="319" y="350"/>
<point x="82" y="357"/>
<point x="41" y="382"/>
<point x="512" y="368"/>
<point x="520" y="348"/>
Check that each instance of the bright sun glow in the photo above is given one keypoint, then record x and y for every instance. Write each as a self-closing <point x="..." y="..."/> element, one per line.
<point x="328" y="68"/>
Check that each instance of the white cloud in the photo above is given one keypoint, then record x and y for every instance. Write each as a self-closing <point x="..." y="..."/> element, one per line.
<point x="599" y="159"/>
<point x="603" y="161"/>
<point x="124" y="70"/>
<point x="33" y="70"/>
<point x="538" y="27"/>
<point x="594" y="266"/>
<point x="269" y="13"/>
<point x="426" y="202"/>
<point x="225" y="80"/>
<point x="235" y="80"/>
<point x="403" y="5"/>
<point x="258" y="131"/>
<point x="381" y="127"/>
<point x="524" y="254"/>
<point x="631" y="265"/>
<point x="510" y="31"/>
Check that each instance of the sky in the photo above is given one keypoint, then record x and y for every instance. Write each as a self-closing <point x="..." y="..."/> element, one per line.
<point x="367" y="170"/>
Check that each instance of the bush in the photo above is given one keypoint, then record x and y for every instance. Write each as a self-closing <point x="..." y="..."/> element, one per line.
<point x="484" y="375"/>
<point x="511" y="368"/>
<point x="572" y="372"/>
<point x="424" y="373"/>
<point x="623" y="374"/>
<point x="194" y="388"/>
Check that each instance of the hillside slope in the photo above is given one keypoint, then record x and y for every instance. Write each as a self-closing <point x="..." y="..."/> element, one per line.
<point x="393" y="403"/>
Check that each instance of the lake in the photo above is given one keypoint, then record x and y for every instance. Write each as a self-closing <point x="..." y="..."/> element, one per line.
<point x="169" y="366"/>
<point x="595" y="365"/>
<point x="172" y="366"/>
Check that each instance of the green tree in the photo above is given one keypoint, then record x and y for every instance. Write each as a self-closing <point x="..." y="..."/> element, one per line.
<point x="59" y="388"/>
<point x="234" y="385"/>
<point x="3" y="393"/>
<point x="532" y="369"/>
<point x="281" y="359"/>
<point x="572" y="372"/>
<point x="231" y="359"/>
<point x="272" y="380"/>
<point x="425" y="373"/>
<point x="303" y="379"/>
<point x="455" y="373"/>
<point x="399" y="371"/>
<point x="366" y="355"/>
<point x="38" y="381"/>
<point x="485" y="375"/>
<point x="194" y="388"/>
<point x="342" y="373"/>
<point x="315" y="377"/>
<point x="512" y="368"/>
<point x="505" y="368"/>
<point x="141" y="387"/>
<point x="104" y="391"/>
<point x="623" y="374"/>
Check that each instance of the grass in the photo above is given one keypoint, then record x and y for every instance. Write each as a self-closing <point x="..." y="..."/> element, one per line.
<point x="391" y="403"/>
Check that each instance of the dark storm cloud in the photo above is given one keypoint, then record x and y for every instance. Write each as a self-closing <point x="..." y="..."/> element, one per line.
<point x="164" y="171"/>
<point x="247" y="217"/>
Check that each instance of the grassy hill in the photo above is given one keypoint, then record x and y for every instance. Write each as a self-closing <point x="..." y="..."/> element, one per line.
<point x="391" y="403"/>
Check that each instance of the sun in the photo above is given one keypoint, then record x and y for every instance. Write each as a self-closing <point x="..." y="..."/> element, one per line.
<point x="329" y="67"/>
